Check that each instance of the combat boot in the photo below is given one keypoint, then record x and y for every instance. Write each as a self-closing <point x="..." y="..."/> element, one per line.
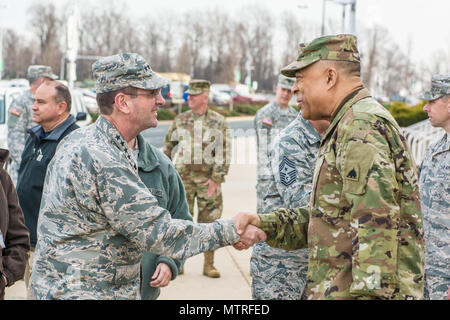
<point x="208" y="268"/>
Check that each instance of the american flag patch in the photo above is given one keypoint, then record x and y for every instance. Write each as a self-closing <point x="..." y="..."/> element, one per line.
<point x="15" y="111"/>
<point x="267" y="121"/>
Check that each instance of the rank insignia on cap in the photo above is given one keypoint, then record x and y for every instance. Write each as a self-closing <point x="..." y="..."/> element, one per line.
<point x="267" y="121"/>
<point x="288" y="172"/>
<point x="353" y="174"/>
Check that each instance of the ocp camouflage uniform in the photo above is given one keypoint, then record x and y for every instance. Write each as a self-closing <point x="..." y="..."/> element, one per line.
<point x="200" y="147"/>
<point x="268" y="122"/>
<point x="97" y="218"/>
<point x="19" y="121"/>
<point x="277" y="273"/>
<point x="434" y="185"/>
<point x="363" y="226"/>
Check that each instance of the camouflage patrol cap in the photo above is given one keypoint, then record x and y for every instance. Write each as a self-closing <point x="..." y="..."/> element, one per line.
<point x="198" y="86"/>
<point x="440" y="86"/>
<point x="285" y="82"/>
<point x="125" y="70"/>
<point x="38" y="71"/>
<point x="342" y="47"/>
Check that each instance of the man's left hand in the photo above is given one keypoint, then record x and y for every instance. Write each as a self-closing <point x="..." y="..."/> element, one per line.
<point x="213" y="187"/>
<point x="162" y="276"/>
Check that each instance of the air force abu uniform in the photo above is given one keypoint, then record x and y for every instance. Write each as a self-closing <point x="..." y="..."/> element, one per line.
<point x="277" y="273"/>
<point x="435" y="201"/>
<point x="97" y="216"/>
<point x="268" y="122"/>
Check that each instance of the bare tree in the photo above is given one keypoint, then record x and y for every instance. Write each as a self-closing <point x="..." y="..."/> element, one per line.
<point x="18" y="55"/>
<point x="293" y="33"/>
<point x="48" y="30"/>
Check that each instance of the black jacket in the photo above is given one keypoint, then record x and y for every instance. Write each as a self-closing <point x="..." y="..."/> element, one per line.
<point x="15" y="240"/>
<point x="35" y="158"/>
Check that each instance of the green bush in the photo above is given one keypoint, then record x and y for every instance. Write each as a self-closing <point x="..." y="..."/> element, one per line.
<point x="246" y="109"/>
<point x="164" y="114"/>
<point x="225" y="112"/>
<point x="407" y="115"/>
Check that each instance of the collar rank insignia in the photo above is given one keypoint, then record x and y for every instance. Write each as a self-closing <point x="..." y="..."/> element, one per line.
<point x="288" y="172"/>
<point x="353" y="174"/>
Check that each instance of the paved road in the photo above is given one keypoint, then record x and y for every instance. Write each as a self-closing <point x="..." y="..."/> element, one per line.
<point x="237" y="125"/>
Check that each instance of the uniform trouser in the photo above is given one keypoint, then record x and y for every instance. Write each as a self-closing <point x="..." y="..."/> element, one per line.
<point x="278" y="274"/>
<point x="436" y="288"/>
<point x="209" y="208"/>
<point x="27" y="274"/>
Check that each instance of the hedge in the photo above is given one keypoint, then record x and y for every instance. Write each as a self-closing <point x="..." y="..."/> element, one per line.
<point x="407" y="115"/>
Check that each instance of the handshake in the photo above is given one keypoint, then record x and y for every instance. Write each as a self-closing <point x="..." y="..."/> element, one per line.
<point x="247" y="227"/>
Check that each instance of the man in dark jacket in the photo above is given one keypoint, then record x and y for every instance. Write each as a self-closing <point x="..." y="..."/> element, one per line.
<point x="14" y="236"/>
<point x="159" y="175"/>
<point x="51" y="111"/>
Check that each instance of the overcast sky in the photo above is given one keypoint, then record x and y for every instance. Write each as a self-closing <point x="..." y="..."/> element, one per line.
<point x="423" y="23"/>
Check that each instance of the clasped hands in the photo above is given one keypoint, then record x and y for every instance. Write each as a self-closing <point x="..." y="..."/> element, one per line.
<point x="247" y="227"/>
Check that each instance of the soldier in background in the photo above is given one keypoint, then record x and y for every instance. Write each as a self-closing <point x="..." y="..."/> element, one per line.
<point x="51" y="111"/>
<point x="363" y="225"/>
<point x="199" y="144"/>
<point x="97" y="217"/>
<point x="434" y="183"/>
<point x="278" y="274"/>
<point x="20" y="116"/>
<point x="268" y="122"/>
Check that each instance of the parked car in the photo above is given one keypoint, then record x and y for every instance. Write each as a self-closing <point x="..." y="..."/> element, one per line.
<point x="219" y="97"/>
<point x="241" y="94"/>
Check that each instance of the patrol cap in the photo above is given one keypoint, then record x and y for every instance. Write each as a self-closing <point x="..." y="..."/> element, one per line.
<point x="440" y="86"/>
<point x="198" y="86"/>
<point x="342" y="47"/>
<point x="125" y="70"/>
<point x="285" y="82"/>
<point x="38" y="71"/>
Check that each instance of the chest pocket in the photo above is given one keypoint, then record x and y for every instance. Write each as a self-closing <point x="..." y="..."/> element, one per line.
<point x="358" y="160"/>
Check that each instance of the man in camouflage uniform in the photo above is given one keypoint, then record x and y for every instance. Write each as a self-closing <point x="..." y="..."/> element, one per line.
<point x="277" y="273"/>
<point x="199" y="143"/>
<point x="435" y="192"/>
<point x="363" y="225"/>
<point x="20" y="116"/>
<point x="97" y="217"/>
<point x="268" y="122"/>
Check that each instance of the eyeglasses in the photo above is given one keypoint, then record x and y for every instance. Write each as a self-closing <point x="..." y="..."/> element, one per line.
<point x="152" y="93"/>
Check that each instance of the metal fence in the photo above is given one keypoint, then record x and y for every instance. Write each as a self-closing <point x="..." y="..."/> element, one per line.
<point x="419" y="136"/>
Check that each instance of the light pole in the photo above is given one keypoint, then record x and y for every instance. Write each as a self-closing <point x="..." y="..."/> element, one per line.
<point x="344" y="3"/>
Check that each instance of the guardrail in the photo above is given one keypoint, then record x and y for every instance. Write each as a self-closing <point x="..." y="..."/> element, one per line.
<point x="419" y="137"/>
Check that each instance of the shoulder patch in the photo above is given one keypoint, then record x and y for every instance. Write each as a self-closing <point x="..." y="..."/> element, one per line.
<point x="288" y="172"/>
<point x="267" y="121"/>
<point x="353" y="174"/>
<point x="16" y="111"/>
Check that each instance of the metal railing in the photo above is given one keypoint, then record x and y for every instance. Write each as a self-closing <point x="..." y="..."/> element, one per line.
<point x="419" y="137"/>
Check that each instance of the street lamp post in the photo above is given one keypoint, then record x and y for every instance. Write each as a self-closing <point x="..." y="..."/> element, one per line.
<point x="344" y="3"/>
